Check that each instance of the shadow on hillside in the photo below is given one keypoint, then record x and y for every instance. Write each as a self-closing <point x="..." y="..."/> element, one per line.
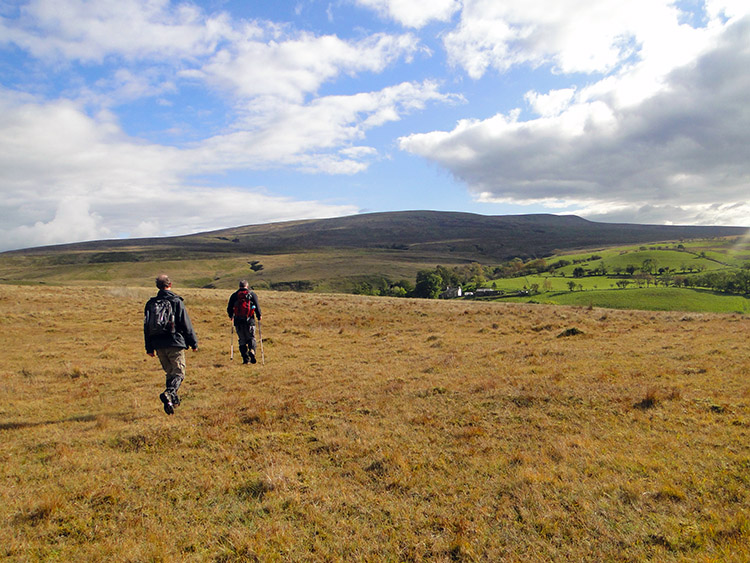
<point x="128" y="417"/>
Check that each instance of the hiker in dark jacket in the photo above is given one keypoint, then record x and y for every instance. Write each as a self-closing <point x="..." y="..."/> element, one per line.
<point x="168" y="338"/>
<point x="243" y="308"/>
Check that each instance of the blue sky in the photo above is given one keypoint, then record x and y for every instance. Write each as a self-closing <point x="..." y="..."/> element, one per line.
<point x="130" y="118"/>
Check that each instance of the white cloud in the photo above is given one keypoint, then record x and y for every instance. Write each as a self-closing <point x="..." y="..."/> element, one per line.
<point x="294" y="67"/>
<point x="717" y="9"/>
<point x="681" y="143"/>
<point x="89" y="31"/>
<point x="89" y="180"/>
<point x="735" y="214"/>
<point x="568" y="35"/>
<point x="551" y="104"/>
<point x="413" y="13"/>
<point x="316" y="137"/>
<point x="172" y="211"/>
<point x="73" y="220"/>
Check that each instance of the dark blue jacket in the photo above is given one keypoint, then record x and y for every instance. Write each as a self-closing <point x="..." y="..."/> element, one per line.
<point x="183" y="337"/>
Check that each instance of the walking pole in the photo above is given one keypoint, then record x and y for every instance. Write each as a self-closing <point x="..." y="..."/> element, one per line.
<point x="260" y="337"/>
<point x="231" y="343"/>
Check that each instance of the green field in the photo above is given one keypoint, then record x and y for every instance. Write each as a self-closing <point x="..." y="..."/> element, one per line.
<point x="676" y="261"/>
<point x="652" y="299"/>
<point x="648" y="291"/>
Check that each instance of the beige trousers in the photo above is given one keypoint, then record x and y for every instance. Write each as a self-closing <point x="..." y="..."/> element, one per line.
<point x="173" y="362"/>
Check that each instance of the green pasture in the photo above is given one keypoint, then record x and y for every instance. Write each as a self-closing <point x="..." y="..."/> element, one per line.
<point x="680" y="257"/>
<point x="676" y="261"/>
<point x="647" y="299"/>
<point x="551" y="283"/>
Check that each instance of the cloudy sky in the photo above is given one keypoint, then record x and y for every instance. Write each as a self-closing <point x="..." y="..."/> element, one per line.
<point x="130" y="118"/>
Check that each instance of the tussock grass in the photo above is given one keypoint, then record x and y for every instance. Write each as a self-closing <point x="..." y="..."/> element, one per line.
<point x="378" y="430"/>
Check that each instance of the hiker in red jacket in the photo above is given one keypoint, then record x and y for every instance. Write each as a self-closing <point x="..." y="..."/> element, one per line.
<point x="243" y="309"/>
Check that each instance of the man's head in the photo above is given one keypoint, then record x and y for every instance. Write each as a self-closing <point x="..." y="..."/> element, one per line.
<point x="243" y="284"/>
<point x="163" y="282"/>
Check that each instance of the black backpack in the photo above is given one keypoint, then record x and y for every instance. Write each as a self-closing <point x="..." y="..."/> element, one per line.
<point x="159" y="318"/>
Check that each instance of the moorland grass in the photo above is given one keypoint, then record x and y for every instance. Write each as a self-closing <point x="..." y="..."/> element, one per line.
<point x="330" y="269"/>
<point x="377" y="430"/>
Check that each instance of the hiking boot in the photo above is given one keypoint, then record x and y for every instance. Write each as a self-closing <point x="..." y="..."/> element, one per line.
<point x="175" y="399"/>
<point x="252" y="357"/>
<point x="167" y="400"/>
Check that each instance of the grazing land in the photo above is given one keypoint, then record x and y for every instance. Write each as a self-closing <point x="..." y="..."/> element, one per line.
<point x="378" y="429"/>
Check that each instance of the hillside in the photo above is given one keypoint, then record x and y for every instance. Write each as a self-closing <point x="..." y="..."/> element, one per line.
<point x="470" y="236"/>
<point x="324" y="252"/>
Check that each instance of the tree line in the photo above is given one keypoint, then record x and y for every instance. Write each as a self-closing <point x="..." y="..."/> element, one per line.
<point x="430" y="283"/>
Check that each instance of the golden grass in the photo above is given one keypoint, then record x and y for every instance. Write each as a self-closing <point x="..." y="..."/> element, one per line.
<point x="378" y="430"/>
<point x="332" y="269"/>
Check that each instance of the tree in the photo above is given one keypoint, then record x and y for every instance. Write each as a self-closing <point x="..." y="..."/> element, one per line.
<point x="401" y="288"/>
<point x="396" y="291"/>
<point x="648" y="266"/>
<point x="476" y="273"/>
<point x="428" y="284"/>
<point x="536" y="266"/>
<point x="571" y="285"/>
<point x="742" y="281"/>
<point x="451" y="278"/>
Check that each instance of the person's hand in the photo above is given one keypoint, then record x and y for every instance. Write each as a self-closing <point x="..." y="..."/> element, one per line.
<point x="150" y="354"/>
<point x="195" y="348"/>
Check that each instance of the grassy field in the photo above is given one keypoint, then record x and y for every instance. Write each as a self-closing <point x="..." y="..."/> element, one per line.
<point x="679" y="257"/>
<point x="645" y="299"/>
<point x="655" y="299"/>
<point x="377" y="430"/>
<point x="621" y="258"/>
<point x="328" y="270"/>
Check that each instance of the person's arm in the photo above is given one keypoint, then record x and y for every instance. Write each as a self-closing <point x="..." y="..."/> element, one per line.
<point x="254" y="299"/>
<point x="191" y="339"/>
<point x="230" y="305"/>
<point x="146" y="337"/>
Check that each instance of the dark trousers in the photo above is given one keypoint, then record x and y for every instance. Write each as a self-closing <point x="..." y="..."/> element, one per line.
<point x="245" y="336"/>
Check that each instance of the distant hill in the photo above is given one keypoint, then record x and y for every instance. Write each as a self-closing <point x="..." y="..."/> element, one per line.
<point x="429" y="233"/>
<point x="389" y="245"/>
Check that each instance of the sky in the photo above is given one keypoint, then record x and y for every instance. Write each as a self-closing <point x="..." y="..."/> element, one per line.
<point x="142" y="118"/>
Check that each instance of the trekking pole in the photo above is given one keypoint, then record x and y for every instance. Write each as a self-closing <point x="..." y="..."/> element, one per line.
<point x="260" y="337"/>
<point x="231" y="343"/>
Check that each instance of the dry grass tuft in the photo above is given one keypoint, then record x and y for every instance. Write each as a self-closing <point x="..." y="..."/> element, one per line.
<point x="650" y="401"/>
